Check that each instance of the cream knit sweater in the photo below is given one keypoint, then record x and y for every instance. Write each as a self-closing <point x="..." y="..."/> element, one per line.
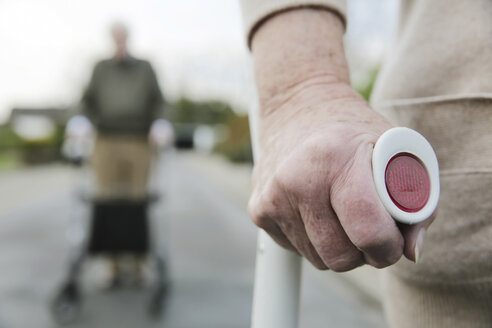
<point x="439" y="82"/>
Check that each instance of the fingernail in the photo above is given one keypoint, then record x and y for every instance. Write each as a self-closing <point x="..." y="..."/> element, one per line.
<point x="419" y="244"/>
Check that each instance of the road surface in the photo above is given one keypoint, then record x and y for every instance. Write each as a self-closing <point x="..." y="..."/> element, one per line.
<point x="201" y="225"/>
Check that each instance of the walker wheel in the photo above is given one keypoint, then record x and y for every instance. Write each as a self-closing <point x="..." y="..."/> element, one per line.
<point x="156" y="302"/>
<point x="66" y="305"/>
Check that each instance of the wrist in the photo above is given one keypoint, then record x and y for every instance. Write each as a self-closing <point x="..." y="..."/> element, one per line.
<point x="296" y="50"/>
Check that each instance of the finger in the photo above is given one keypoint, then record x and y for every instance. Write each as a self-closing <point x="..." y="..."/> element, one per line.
<point x="261" y="215"/>
<point x="292" y="226"/>
<point x="298" y="237"/>
<point x="279" y="237"/>
<point x="329" y="239"/>
<point x="414" y="238"/>
<point x="274" y="213"/>
<point x="361" y="214"/>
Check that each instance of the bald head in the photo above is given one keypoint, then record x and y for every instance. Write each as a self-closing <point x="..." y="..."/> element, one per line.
<point x="119" y="34"/>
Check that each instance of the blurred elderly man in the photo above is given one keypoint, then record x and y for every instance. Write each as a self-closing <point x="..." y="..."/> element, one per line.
<point x="122" y="100"/>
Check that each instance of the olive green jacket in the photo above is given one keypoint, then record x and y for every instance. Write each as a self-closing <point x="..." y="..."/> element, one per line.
<point x="123" y="97"/>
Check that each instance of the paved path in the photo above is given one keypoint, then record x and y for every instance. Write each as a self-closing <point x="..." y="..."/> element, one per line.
<point x="202" y="225"/>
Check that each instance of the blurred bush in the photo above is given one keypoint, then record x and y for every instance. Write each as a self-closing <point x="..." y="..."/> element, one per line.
<point x="15" y="151"/>
<point x="237" y="144"/>
<point x="10" y="144"/>
<point x="8" y="138"/>
<point x="44" y="150"/>
<point x="365" y="88"/>
<point x="200" y="112"/>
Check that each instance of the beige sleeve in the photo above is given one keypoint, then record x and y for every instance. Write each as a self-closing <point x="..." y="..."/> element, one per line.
<point x="257" y="11"/>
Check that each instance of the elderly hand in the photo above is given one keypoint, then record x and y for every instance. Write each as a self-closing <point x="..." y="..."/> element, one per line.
<point x="313" y="189"/>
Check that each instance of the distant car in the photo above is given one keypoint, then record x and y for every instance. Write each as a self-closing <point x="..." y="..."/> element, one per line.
<point x="184" y="133"/>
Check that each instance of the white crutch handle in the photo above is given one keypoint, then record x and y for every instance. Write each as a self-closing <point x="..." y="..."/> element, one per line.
<point x="406" y="175"/>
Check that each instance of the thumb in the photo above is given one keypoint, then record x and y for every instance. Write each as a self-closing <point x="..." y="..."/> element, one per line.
<point x="414" y="236"/>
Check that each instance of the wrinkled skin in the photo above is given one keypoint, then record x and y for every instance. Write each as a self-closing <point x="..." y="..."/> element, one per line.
<point x="313" y="191"/>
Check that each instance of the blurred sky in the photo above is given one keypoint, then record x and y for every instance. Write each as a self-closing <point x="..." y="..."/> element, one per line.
<point x="197" y="47"/>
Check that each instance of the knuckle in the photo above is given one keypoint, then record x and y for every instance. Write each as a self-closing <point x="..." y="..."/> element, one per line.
<point x="260" y="221"/>
<point x="310" y="253"/>
<point x="319" y="265"/>
<point x="255" y="212"/>
<point x="327" y="147"/>
<point x="392" y="256"/>
<point x="301" y="177"/>
<point x="339" y="255"/>
<point x="264" y="208"/>
<point x="369" y="230"/>
<point x="381" y="264"/>
<point x="345" y="265"/>
<point x="382" y="246"/>
<point x="259" y="218"/>
<point x="289" y="177"/>
<point x="282" y="241"/>
<point x="345" y="261"/>
<point x="372" y="240"/>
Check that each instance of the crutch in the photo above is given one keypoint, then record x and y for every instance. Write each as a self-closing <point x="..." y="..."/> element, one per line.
<point x="406" y="177"/>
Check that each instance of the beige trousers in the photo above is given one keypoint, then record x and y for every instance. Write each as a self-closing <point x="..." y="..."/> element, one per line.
<point x="121" y="165"/>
